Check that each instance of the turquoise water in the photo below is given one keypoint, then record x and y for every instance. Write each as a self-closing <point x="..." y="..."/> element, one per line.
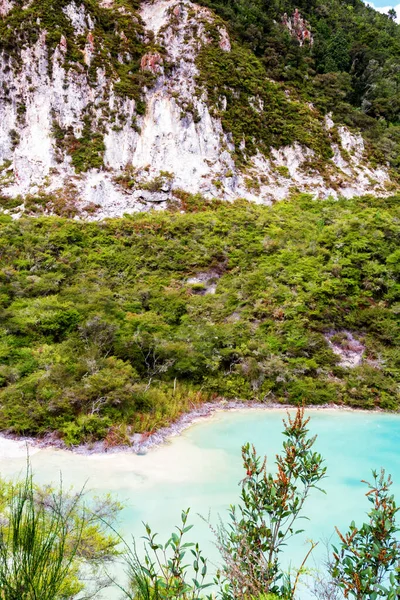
<point x="201" y="469"/>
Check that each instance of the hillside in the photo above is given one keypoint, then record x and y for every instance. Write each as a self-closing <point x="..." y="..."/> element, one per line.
<point x="116" y="327"/>
<point x="211" y="111"/>
<point x="111" y="107"/>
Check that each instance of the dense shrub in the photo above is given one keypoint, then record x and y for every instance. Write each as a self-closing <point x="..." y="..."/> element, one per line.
<point x="100" y="324"/>
<point x="350" y="69"/>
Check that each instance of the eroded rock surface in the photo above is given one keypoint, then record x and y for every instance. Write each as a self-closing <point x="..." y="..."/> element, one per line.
<point x="45" y="106"/>
<point x="349" y="349"/>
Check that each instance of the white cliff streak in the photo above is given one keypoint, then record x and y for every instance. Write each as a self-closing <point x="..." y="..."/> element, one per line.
<point x="5" y="7"/>
<point x="189" y="145"/>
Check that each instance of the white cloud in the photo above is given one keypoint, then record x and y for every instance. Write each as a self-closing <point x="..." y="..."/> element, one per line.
<point x="385" y="9"/>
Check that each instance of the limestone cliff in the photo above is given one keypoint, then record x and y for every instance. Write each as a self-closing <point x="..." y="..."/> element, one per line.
<point x="103" y="111"/>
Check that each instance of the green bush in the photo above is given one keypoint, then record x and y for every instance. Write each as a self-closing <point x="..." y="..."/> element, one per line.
<point x="98" y="320"/>
<point x="52" y="544"/>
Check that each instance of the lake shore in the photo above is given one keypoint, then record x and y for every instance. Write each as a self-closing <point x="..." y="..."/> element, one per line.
<point x="142" y="443"/>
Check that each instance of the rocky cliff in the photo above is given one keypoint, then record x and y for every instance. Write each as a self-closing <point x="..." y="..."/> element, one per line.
<point x="114" y="106"/>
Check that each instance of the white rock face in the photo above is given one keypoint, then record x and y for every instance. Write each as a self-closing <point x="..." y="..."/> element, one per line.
<point x="48" y="94"/>
<point x="206" y="281"/>
<point x="78" y="17"/>
<point x="188" y="145"/>
<point x="347" y="348"/>
<point x="5" y="7"/>
<point x="169" y="141"/>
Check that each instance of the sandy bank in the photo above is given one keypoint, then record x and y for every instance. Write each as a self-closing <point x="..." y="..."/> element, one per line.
<point x="12" y="446"/>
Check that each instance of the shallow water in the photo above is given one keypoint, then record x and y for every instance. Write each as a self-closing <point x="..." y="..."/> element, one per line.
<point x="201" y="469"/>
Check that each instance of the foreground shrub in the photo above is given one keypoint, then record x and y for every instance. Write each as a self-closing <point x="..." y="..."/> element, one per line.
<point x="260" y="526"/>
<point x="164" y="574"/>
<point x="367" y="565"/>
<point x="48" y="538"/>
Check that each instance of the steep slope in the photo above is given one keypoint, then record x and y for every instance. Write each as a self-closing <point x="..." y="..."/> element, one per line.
<point x="116" y="327"/>
<point x="113" y="107"/>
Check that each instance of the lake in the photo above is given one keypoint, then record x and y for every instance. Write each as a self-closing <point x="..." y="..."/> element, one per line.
<point x="202" y="467"/>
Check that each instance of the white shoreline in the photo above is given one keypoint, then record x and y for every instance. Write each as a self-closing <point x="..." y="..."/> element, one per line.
<point x="12" y="445"/>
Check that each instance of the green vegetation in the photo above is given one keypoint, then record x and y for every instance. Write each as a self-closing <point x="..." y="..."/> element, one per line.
<point x="351" y="69"/>
<point x="270" y="506"/>
<point x="164" y="573"/>
<point x="87" y="151"/>
<point x="367" y="565"/>
<point x="51" y="541"/>
<point x="254" y="109"/>
<point x="102" y="334"/>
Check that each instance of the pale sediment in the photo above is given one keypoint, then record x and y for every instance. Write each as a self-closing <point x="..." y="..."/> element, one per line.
<point x="142" y="443"/>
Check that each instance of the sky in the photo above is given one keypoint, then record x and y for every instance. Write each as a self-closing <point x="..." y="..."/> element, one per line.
<point x="384" y="6"/>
